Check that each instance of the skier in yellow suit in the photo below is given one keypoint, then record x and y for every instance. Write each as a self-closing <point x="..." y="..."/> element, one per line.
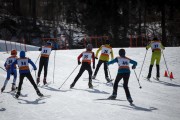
<point x="156" y="47"/>
<point x="106" y="50"/>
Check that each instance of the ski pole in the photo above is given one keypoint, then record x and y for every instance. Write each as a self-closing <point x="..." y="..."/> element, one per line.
<point x="166" y="64"/>
<point x="68" y="77"/>
<point x="35" y="73"/>
<point x="2" y="68"/>
<point x="54" y="64"/>
<point x="137" y="79"/>
<point x="142" y="64"/>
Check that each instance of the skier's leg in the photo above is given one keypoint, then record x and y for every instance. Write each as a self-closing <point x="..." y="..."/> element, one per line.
<point x="157" y="65"/>
<point x="40" y="67"/>
<point x="115" y="87"/>
<point x="106" y="70"/>
<point x="21" y="77"/>
<point x="125" y="85"/>
<point x="90" y="75"/>
<point x="14" y="80"/>
<point x="45" y="71"/>
<point x="97" y="68"/>
<point x="82" y="69"/>
<point x="30" y="78"/>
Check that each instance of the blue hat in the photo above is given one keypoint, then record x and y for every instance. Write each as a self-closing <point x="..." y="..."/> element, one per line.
<point x="49" y="43"/>
<point x="22" y="54"/>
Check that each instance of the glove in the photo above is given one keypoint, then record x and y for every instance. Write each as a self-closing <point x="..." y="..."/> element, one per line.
<point x="35" y="68"/>
<point x="12" y="73"/>
<point x="96" y="58"/>
<point x="146" y="48"/>
<point x="133" y="67"/>
<point x="79" y="62"/>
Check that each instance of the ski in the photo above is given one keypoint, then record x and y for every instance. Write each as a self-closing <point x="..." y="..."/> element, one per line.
<point x="44" y="96"/>
<point x="147" y="79"/>
<point x="110" y="99"/>
<point x="156" y="78"/>
<point x="46" y="85"/>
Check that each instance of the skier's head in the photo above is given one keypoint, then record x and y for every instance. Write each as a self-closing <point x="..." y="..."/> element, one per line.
<point x="13" y="52"/>
<point x="22" y="54"/>
<point x="122" y="52"/>
<point x="107" y="41"/>
<point x="89" y="47"/>
<point x="48" y="43"/>
<point x="155" y="39"/>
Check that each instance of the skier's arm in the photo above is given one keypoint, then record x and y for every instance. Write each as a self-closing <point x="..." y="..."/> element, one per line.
<point x="162" y="47"/>
<point x="93" y="60"/>
<point x="5" y="64"/>
<point x="112" y="61"/>
<point x="34" y="66"/>
<point x="13" y="65"/>
<point x="112" y="55"/>
<point x="78" y="58"/>
<point x="148" y="46"/>
<point x="98" y="51"/>
<point x="134" y="64"/>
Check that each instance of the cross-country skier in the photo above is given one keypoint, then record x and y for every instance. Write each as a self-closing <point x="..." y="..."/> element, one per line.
<point x="123" y="72"/>
<point x="44" y="60"/>
<point x="106" y="50"/>
<point x="23" y="64"/>
<point x="86" y="65"/>
<point x="10" y="72"/>
<point x="156" y="47"/>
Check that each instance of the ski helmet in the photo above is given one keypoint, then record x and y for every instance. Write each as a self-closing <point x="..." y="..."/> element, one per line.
<point x="155" y="38"/>
<point x="48" y="43"/>
<point x="13" y="52"/>
<point x="89" y="47"/>
<point x="107" y="41"/>
<point x="22" y="54"/>
<point x="122" y="52"/>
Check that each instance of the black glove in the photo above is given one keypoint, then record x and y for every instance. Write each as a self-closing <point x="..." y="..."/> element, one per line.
<point x="93" y="66"/>
<point x="79" y="62"/>
<point x="133" y="67"/>
<point x="12" y="73"/>
<point x="35" y="68"/>
<point x="96" y="58"/>
<point x="146" y="48"/>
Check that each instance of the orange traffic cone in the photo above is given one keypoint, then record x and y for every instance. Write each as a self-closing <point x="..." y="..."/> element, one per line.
<point x="171" y="76"/>
<point x="165" y="74"/>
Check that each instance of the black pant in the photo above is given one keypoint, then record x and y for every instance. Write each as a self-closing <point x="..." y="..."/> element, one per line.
<point x="30" y="78"/>
<point x="43" y="63"/>
<point x="98" y="66"/>
<point x="85" y="66"/>
<point x="125" y="77"/>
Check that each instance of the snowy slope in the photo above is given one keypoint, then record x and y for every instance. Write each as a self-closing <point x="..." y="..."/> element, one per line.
<point x="155" y="101"/>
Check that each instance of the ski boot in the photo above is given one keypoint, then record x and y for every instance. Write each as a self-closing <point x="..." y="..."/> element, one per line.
<point x="93" y="77"/>
<point x="90" y="85"/>
<point x="37" y="80"/>
<point x="39" y="93"/>
<point x="112" y="97"/>
<point x="13" y="87"/>
<point x="108" y="79"/>
<point x="130" y="100"/>
<point x="17" y="95"/>
<point x="72" y="85"/>
<point x="3" y="88"/>
<point x="44" y="81"/>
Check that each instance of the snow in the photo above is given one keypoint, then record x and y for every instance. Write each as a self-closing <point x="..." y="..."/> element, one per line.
<point x="155" y="101"/>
